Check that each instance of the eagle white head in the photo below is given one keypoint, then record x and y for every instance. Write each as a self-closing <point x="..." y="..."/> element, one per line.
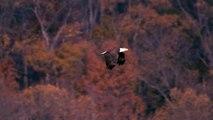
<point x="123" y="49"/>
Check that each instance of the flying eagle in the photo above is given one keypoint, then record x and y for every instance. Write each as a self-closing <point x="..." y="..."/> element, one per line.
<point x="114" y="56"/>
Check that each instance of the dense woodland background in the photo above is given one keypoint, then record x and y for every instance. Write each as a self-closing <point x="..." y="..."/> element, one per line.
<point x="51" y="67"/>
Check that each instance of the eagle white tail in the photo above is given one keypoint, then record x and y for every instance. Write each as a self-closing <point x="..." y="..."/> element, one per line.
<point x="103" y="52"/>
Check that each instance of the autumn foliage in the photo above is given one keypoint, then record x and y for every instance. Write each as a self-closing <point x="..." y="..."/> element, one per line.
<point x="51" y="67"/>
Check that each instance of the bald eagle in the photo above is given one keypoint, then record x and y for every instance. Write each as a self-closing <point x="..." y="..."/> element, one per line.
<point x="114" y="56"/>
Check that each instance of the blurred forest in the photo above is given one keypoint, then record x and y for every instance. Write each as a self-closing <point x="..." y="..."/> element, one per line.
<point x="51" y="67"/>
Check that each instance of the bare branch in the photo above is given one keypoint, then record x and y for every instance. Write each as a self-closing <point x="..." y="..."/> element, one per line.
<point x="183" y="9"/>
<point x="44" y="32"/>
<point x="160" y="91"/>
<point x="55" y="39"/>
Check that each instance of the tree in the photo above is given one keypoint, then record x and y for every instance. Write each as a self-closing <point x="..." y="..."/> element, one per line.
<point x="45" y="102"/>
<point x="69" y="64"/>
<point x="198" y="31"/>
<point x="9" y="105"/>
<point x="83" y="108"/>
<point x="8" y="75"/>
<point x="186" y="105"/>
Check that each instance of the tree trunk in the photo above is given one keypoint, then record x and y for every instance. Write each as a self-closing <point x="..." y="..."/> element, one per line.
<point x="26" y="84"/>
<point x="47" y="78"/>
<point x="91" y="15"/>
